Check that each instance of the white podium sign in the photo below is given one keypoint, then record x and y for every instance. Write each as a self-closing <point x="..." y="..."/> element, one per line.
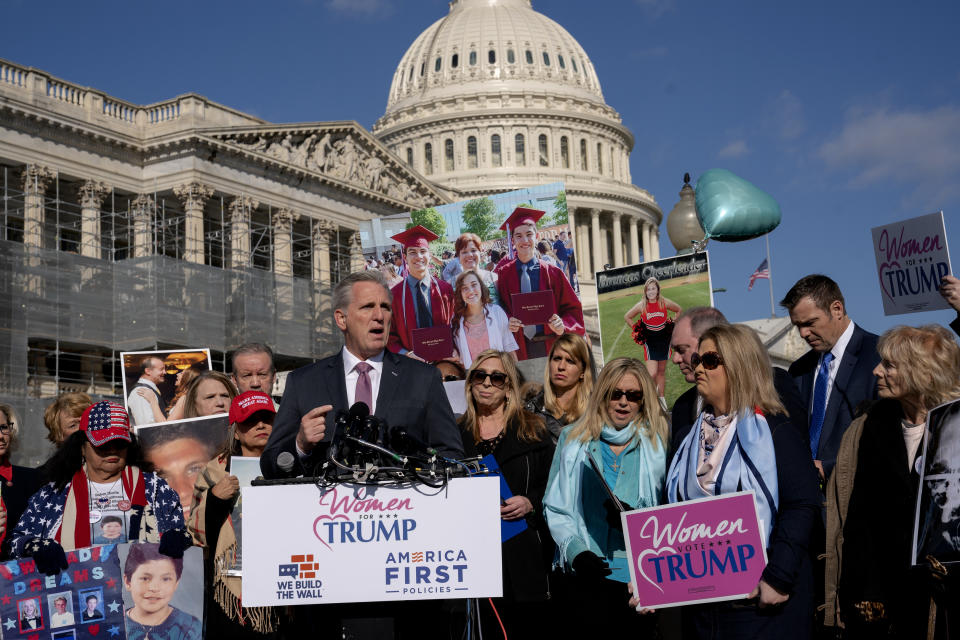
<point x="354" y="543"/>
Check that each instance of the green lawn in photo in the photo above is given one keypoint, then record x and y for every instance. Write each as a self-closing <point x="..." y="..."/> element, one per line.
<point x="616" y="338"/>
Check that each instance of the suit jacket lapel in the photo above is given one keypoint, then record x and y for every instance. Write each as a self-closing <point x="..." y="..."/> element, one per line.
<point x="336" y="382"/>
<point x="839" y="392"/>
<point x="389" y="381"/>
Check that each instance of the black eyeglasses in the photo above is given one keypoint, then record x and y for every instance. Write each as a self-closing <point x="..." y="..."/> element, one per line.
<point x="451" y="378"/>
<point x="710" y="360"/>
<point x="497" y="378"/>
<point x="632" y="396"/>
<point x="6" y="428"/>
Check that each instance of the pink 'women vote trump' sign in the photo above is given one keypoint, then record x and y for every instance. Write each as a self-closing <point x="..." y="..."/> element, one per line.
<point x="695" y="551"/>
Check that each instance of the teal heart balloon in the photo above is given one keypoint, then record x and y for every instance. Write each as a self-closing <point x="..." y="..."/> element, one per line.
<point x="731" y="209"/>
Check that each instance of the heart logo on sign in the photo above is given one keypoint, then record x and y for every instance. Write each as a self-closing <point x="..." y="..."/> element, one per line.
<point x="94" y="629"/>
<point x="647" y="553"/>
<point x="316" y="522"/>
<point x="883" y="281"/>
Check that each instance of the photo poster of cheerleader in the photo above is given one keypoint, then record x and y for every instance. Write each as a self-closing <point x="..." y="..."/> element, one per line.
<point x="937" y="526"/>
<point x="637" y="307"/>
<point x="81" y="602"/>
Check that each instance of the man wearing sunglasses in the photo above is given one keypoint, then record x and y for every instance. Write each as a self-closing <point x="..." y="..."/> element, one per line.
<point x="687" y="329"/>
<point x="836" y="376"/>
<point x="402" y="391"/>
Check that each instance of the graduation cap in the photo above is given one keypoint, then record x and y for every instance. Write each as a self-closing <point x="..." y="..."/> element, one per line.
<point x="522" y="215"/>
<point x="418" y="236"/>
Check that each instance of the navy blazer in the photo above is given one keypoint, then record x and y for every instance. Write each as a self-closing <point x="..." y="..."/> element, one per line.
<point x="411" y="395"/>
<point x="853" y="385"/>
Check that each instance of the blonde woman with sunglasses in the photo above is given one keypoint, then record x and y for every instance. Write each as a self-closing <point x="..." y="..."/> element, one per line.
<point x="496" y="424"/>
<point x="743" y="441"/>
<point x="621" y="437"/>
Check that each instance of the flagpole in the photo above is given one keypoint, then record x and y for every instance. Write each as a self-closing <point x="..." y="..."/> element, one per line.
<point x="773" y="313"/>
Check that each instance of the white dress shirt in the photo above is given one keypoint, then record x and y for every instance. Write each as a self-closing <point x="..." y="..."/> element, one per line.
<point x="138" y="407"/>
<point x="351" y="374"/>
<point x="838" y="348"/>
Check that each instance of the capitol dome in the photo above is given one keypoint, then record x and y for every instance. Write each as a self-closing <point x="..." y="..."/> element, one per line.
<point x="496" y="96"/>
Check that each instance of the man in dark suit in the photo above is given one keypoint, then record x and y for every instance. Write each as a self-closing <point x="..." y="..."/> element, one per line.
<point x="402" y="391"/>
<point x="836" y="376"/>
<point x="687" y="329"/>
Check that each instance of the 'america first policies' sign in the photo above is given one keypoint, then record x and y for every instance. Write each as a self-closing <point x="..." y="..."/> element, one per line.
<point x="356" y="543"/>
<point x="912" y="258"/>
<point x="697" y="551"/>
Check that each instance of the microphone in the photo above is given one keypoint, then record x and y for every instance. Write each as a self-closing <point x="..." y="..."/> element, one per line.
<point x="285" y="462"/>
<point x="407" y="444"/>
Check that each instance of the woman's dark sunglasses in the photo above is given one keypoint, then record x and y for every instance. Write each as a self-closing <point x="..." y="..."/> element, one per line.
<point x="632" y="396"/>
<point x="710" y="360"/>
<point x="497" y="378"/>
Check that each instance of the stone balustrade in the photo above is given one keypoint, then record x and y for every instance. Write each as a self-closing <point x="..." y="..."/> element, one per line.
<point x="99" y="108"/>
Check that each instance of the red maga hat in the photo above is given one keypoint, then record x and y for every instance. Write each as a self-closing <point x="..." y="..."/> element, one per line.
<point x="418" y="236"/>
<point x="248" y="403"/>
<point x="522" y="215"/>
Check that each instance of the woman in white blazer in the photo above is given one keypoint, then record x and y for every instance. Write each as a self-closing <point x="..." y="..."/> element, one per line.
<point x="477" y="323"/>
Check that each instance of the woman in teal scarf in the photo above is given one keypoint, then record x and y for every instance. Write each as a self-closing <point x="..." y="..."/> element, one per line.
<point x="623" y="432"/>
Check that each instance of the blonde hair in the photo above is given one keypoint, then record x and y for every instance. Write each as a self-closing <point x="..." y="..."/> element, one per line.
<point x="577" y="347"/>
<point x="651" y="420"/>
<point x="74" y="402"/>
<point x="530" y="428"/>
<point x="927" y="359"/>
<point x="13" y="421"/>
<point x="190" y="408"/>
<point x="747" y="367"/>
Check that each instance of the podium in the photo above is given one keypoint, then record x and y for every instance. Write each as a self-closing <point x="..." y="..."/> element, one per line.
<point x="306" y="544"/>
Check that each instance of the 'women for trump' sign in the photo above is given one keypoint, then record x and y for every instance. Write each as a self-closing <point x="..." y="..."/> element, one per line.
<point x="696" y="551"/>
<point x="912" y="258"/>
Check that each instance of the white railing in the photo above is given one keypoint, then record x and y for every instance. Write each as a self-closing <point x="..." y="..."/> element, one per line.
<point x="10" y="74"/>
<point x="65" y="92"/>
<point x="120" y="110"/>
<point x="163" y="112"/>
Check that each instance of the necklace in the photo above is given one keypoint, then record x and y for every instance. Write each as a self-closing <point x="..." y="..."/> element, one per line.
<point x="102" y="500"/>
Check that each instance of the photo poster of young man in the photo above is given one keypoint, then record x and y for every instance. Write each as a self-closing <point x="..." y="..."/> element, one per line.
<point x="83" y="602"/>
<point x="937" y="526"/>
<point x="478" y="235"/>
<point x="638" y="304"/>
<point x="155" y="383"/>
<point x="162" y="596"/>
<point x="180" y="450"/>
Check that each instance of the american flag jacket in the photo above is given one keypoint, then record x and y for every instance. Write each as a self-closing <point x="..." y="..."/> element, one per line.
<point x="44" y="514"/>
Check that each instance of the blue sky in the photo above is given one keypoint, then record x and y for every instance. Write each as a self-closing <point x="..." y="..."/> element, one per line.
<point x="848" y="113"/>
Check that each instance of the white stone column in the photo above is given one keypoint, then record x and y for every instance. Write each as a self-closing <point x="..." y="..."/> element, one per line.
<point x="193" y="195"/>
<point x="357" y="262"/>
<point x="92" y="193"/>
<point x="240" y="209"/>
<point x="323" y="234"/>
<point x="582" y="248"/>
<point x="142" y="209"/>
<point x="617" y="240"/>
<point x="634" y="244"/>
<point x="646" y="243"/>
<point x="35" y="180"/>
<point x="595" y="242"/>
<point x="655" y="242"/>
<point x="283" y="220"/>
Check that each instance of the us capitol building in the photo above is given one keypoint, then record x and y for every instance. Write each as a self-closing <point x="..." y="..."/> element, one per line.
<point x="187" y="223"/>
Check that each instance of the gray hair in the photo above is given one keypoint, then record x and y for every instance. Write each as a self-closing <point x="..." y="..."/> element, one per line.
<point x="251" y="348"/>
<point x="701" y="319"/>
<point x="343" y="290"/>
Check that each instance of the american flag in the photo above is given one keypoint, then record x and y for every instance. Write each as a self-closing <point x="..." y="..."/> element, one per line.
<point x="105" y="415"/>
<point x="763" y="271"/>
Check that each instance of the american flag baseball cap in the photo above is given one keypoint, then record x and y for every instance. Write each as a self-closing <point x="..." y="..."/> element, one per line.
<point x="105" y="421"/>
